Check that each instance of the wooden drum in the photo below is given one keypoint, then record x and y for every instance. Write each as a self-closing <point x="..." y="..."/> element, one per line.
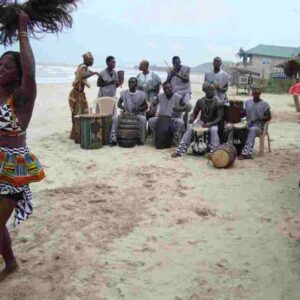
<point x="91" y="131"/>
<point x="127" y="131"/>
<point x="224" y="156"/>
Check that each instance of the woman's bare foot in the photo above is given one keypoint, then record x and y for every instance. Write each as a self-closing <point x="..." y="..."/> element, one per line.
<point x="8" y="270"/>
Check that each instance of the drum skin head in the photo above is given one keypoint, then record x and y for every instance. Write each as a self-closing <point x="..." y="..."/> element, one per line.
<point x="220" y="159"/>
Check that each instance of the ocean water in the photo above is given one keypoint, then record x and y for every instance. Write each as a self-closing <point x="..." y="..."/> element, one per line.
<point x="65" y="74"/>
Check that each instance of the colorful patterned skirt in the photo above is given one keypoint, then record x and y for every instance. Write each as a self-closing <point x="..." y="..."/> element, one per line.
<point x="19" y="168"/>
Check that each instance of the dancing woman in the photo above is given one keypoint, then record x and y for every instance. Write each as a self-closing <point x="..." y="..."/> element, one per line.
<point x="18" y="166"/>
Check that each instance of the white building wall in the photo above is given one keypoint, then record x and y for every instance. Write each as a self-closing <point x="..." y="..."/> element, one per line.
<point x="266" y="65"/>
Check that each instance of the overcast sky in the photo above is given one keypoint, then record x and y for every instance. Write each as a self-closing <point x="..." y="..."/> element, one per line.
<point x="196" y="30"/>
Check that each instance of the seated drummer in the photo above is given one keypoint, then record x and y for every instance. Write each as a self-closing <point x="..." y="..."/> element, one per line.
<point x="257" y="113"/>
<point x="132" y="101"/>
<point x="170" y="104"/>
<point x="211" y="114"/>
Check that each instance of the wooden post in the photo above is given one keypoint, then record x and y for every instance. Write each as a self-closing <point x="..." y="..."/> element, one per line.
<point x="297" y="104"/>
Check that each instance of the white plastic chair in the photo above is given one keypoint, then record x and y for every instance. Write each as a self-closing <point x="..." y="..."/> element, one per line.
<point x="262" y="137"/>
<point x="106" y="106"/>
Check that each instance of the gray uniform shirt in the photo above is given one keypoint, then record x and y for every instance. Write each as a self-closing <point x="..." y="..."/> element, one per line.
<point x="255" y="111"/>
<point x="166" y="105"/>
<point x="110" y="90"/>
<point x="132" y="102"/>
<point x="223" y="79"/>
<point x="178" y="84"/>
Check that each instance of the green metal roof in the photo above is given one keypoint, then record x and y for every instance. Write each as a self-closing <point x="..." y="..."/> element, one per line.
<point x="274" y="51"/>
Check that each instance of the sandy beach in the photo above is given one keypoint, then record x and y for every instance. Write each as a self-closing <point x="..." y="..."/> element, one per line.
<point x="129" y="224"/>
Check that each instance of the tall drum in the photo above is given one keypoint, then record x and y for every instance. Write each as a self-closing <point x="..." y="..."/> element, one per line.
<point x="91" y="131"/>
<point x="127" y="131"/>
<point x="236" y="135"/>
<point x="163" y="137"/>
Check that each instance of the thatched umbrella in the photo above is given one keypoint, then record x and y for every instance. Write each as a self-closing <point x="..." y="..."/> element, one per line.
<point x="291" y="67"/>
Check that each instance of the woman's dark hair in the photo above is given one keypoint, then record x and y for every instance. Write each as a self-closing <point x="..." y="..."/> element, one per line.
<point x="46" y="16"/>
<point x="17" y="60"/>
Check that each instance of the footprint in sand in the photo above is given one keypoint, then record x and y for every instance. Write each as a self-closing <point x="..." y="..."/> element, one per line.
<point x="205" y="212"/>
<point x="181" y="221"/>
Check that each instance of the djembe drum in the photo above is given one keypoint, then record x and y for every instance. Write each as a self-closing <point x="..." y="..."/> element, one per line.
<point x="91" y="131"/>
<point x="200" y="145"/>
<point x="239" y="137"/>
<point x="236" y="134"/>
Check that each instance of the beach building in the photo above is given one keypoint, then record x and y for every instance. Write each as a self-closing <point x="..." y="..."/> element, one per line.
<point x="264" y="59"/>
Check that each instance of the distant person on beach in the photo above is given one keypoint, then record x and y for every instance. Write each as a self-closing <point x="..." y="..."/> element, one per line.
<point x="257" y="112"/>
<point x="19" y="167"/>
<point x="132" y="101"/>
<point x="149" y="82"/>
<point x="179" y="77"/>
<point x="77" y="99"/>
<point x="108" y="80"/>
<point x="172" y="105"/>
<point x="211" y="114"/>
<point x="220" y="79"/>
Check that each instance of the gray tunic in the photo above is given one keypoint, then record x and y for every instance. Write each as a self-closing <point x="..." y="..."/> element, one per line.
<point x="178" y="84"/>
<point x="223" y="79"/>
<point x="255" y="112"/>
<point x="132" y="102"/>
<point x="110" y="90"/>
<point x="166" y="105"/>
